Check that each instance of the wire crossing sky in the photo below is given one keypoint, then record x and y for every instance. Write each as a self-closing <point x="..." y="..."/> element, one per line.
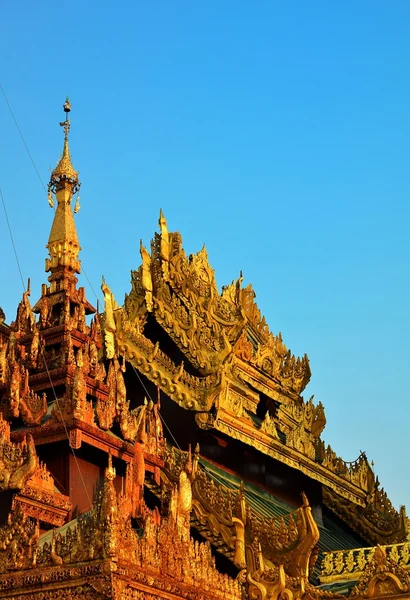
<point x="278" y="133"/>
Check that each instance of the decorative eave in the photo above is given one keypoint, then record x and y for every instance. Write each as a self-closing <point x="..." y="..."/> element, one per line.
<point x="377" y="521"/>
<point x="39" y="500"/>
<point x="80" y="432"/>
<point x="189" y="391"/>
<point x="244" y="431"/>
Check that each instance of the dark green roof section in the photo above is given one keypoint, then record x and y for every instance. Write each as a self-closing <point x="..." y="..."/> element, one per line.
<point x="334" y="534"/>
<point x="261" y="501"/>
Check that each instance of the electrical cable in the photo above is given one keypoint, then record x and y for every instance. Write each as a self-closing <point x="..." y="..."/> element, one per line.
<point x="36" y="170"/>
<point x="22" y="137"/>
<point x="11" y="237"/>
<point x="89" y="282"/>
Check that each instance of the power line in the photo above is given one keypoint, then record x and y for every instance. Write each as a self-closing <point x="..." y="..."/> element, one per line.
<point x="36" y="170"/>
<point x="22" y="137"/>
<point x="12" y="239"/>
<point x="89" y="283"/>
<point x="159" y="412"/>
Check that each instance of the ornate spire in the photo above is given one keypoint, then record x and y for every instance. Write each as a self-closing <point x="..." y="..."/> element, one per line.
<point x="65" y="171"/>
<point x="63" y="244"/>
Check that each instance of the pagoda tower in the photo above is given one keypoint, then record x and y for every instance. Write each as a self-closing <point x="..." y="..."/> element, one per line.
<point x="55" y="380"/>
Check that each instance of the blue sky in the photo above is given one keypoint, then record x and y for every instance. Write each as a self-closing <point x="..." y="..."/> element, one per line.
<point x="278" y="133"/>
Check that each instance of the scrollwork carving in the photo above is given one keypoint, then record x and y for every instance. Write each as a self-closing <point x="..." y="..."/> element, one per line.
<point x="18" y="461"/>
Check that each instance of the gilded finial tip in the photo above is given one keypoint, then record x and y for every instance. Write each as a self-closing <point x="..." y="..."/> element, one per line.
<point x="67" y="105"/>
<point x="162" y="221"/>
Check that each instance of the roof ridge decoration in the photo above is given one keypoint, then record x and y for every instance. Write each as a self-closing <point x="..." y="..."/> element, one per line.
<point x="186" y="301"/>
<point x="182" y="295"/>
<point x="254" y="316"/>
<point x="261" y="347"/>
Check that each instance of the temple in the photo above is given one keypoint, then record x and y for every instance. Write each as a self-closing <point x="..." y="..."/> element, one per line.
<point x="163" y="449"/>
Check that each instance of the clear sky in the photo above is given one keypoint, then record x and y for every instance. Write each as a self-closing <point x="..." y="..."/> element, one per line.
<point x="277" y="132"/>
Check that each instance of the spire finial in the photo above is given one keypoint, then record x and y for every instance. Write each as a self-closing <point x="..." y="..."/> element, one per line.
<point x="64" y="173"/>
<point x="63" y="244"/>
<point x="66" y="123"/>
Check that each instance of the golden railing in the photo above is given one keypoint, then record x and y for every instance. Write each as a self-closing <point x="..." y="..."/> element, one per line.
<point x="350" y="564"/>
